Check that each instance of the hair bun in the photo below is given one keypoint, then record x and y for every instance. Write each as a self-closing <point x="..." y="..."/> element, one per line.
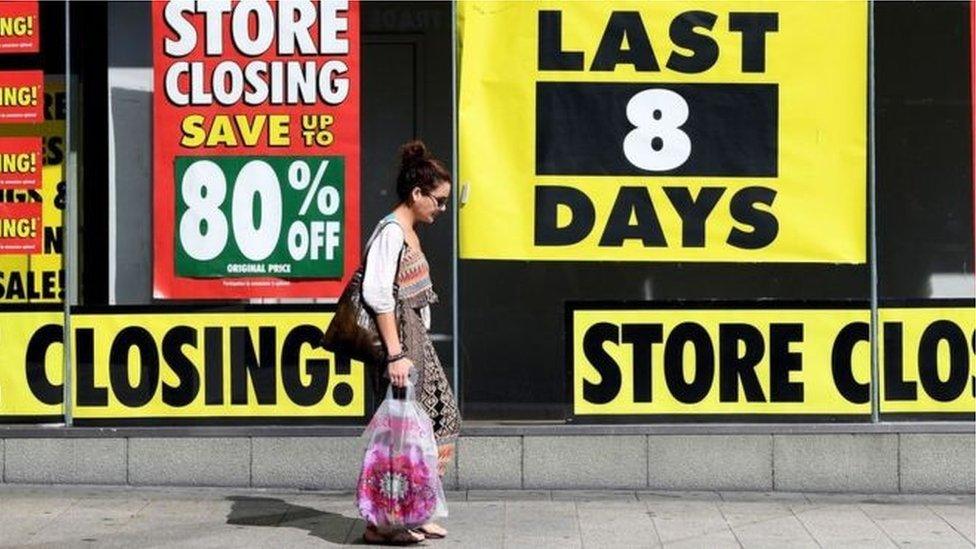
<point x="413" y="151"/>
<point x="418" y="169"/>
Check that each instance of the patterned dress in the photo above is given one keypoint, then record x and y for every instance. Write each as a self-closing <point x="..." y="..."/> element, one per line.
<point x="433" y="392"/>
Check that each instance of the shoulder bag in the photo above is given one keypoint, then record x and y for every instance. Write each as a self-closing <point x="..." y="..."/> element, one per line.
<point x="353" y="331"/>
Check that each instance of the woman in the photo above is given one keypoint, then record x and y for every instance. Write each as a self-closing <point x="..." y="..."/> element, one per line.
<point x="397" y="273"/>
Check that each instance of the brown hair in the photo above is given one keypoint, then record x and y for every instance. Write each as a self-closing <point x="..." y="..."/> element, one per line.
<point x="418" y="169"/>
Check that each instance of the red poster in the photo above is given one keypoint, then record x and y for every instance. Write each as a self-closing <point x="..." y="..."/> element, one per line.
<point x="255" y="149"/>
<point x="20" y="227"/>
<point x="20" y="31"/>
<point x="20" y="162"/>
<point x="21" y="97"/>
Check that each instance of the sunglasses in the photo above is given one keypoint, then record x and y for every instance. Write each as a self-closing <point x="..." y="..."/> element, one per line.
<point x="441" y="201"/>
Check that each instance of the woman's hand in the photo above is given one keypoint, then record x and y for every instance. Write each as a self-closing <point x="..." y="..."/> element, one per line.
<point x="398" y="371"/>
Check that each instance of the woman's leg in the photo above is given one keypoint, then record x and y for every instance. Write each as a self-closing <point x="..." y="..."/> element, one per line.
<point x="445" y="454"/>
<point x="436" y="398"/>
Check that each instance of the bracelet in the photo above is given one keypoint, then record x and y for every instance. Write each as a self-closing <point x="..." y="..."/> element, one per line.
<point x="396" y="357"/>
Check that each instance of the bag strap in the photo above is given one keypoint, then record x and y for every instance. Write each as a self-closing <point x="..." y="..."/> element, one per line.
<point x="369" y="244"/>
<point x="376" y="235"/>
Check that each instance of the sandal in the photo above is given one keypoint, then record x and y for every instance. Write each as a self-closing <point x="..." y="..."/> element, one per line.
<point x="432" y="531"/>
<point x="396" y="537"/>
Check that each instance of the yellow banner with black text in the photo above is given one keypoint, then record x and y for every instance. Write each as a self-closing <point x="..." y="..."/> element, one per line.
<point x="166" y="366"/>
<point x="663" y="131"/>
<point x="780" y="361"/>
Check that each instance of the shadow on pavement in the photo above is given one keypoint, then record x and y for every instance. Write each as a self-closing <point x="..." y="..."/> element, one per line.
<point x="277" y="513"/>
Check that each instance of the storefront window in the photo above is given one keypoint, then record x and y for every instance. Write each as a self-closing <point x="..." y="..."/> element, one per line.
<point x="661" y="212"/>
<point x="219" y="335"/>
<point x="924" y="233"/>
<point x="33" y="194"/>
<point x="571" y="227"/>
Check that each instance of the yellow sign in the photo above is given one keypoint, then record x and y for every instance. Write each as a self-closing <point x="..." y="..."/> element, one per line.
<point x="684" y="360"/>
<point x="663" y="131"/>
<point x="31" y="364"/>
<point x="213" y="365"/>
<point x="927" y="357"/>
<point x="164" y="365"/>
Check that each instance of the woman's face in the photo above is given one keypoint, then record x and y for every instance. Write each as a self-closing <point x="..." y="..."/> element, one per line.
<point x="427" y="206"/>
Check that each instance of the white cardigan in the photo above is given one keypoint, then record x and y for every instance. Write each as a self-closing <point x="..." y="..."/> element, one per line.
<point x="382" y="256"/>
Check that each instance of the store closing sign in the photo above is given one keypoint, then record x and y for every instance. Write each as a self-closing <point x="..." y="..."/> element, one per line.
<point x="21" y="97"/>
<point x="663" y="131"/>
<point x="179" y="366"/>
<point x="256" y="147"/>
<point x="20" y="162"/>
<point x="20" y="228"/>
<point x="779" y="361"/>
<point x="35" y="274"/>
<point x="20" y="27"/>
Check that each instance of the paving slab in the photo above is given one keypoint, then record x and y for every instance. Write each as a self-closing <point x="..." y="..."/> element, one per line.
<point x="872" y="544"/>
<point x="790" y="497"/>
<point x="766" y="524"/>
<point x="682" y="521"/>
<point x="911" y="499"/>
<point x="962" y="518"/>
<point x="509" y="495"/>
<point x="594" y="495"/>
<point x="778" y="531"/>
<point x="841" y="525"/>
<point x="554" y="524"/>
<point x="616" y="524"/>
<point x="26" y="517"/>
<point x="743" y="513"/>
<point x="666" y="495"/>
<point x="98" y="518"/>
<point x="914" y="525"/>
<point x="717" y="540"/>
<point x="476" y="524"/>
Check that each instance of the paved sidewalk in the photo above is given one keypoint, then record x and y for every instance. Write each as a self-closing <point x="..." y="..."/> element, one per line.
<point x="89" y="516"/>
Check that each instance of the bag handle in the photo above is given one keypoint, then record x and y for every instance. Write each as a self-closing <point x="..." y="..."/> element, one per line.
<point x="407" y="392"/>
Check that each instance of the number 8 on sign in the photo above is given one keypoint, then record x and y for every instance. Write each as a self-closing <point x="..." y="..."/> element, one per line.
<point x="656" y="143"/>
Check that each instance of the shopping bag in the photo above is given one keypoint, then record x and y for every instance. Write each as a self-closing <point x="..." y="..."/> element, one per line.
<point x="399" y="486"/>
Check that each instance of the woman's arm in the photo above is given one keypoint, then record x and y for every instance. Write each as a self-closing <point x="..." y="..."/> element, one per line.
<point x="382" y="259"/>
<point x="386" y="323"/>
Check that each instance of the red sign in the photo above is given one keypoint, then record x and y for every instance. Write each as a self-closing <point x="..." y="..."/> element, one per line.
<point x="20" y="30"/>
<point x="255" y="142"/>
<point x="21" y="97"/>
<point x="20" y="227"/>
<point x="20" y="162"/>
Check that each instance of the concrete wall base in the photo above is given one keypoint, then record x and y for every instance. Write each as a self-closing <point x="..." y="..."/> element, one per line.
<point x="827" y="462"/>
